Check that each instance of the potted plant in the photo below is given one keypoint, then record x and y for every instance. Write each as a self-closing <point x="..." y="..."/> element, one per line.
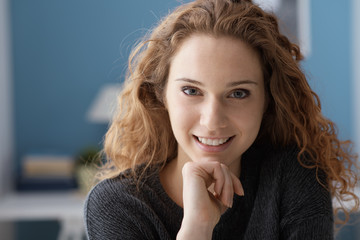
<point x="87" y="164"/>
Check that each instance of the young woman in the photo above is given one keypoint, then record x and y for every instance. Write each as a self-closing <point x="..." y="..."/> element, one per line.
<point x="219" y="136"/>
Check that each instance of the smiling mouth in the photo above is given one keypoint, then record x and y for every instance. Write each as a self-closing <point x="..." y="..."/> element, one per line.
<point x="213" y="141"/>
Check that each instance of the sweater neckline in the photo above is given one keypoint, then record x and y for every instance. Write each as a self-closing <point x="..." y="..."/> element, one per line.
<point x="178" y="210"/>
<point x="249" y="168"/>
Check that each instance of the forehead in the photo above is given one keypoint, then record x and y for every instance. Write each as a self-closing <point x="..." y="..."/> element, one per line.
<point x="203" y="56"/>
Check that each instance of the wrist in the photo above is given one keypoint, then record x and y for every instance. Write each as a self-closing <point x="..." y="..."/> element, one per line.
<point x="199" y="230"/>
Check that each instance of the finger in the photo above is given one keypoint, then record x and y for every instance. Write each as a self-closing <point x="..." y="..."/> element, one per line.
<point x="219" y="180"/>
<point x="214" y="175"/>
<point x="227" y="194"/>
<point x="238" y="188"/>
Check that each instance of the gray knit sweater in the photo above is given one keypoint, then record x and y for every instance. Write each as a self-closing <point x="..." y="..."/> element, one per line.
<point x="283" y="200"/>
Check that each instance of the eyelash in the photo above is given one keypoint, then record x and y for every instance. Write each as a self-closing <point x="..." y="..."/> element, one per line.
<point x="197" y="92"/>
<point x="187" y="88"/>
<point x="243" y="91"/>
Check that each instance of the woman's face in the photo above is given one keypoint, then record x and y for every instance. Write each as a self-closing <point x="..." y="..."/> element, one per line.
<point x="215" y="98"/>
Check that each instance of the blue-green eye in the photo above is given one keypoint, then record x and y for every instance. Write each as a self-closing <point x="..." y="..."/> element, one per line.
<point x="190" y="91"/>
<point x="239" y="93"/>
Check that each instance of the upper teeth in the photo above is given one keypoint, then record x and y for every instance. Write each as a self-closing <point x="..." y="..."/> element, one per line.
<point x="213" y="142"/>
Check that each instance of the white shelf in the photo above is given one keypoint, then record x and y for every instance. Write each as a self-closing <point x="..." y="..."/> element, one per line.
<point x="65" y="207"/>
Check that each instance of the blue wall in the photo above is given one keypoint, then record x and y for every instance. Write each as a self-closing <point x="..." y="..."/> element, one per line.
<point x="330" y="71"/>
<point x="329" y="65"/>
<point x="63" y="52"/>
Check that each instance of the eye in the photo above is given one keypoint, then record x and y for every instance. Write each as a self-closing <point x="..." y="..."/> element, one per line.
<point x="190" y="91"/>
<point x="240" y="93"/>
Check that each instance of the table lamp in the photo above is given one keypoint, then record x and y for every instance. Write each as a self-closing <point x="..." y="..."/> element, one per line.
<point x="103" y="108"/>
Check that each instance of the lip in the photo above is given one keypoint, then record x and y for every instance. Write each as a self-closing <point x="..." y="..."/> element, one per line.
<point x="214" y="149"/>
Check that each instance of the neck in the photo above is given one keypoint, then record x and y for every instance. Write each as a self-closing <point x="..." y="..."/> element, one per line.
<point x="171" y="180"/>
<point x="171" y="176"/>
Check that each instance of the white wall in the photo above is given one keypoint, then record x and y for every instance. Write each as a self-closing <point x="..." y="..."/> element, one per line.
<point x="6" y="125"/>
<point x="6" y="121"/>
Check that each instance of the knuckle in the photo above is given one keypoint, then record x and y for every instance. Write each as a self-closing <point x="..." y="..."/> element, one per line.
<point x="217" y="165"/>
<point x="187" y="167"/>
<point x="223" y="166"/>
<point x="190" y="168"/>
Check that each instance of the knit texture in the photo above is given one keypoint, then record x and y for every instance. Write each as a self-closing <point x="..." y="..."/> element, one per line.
<point x="283" y="200"/>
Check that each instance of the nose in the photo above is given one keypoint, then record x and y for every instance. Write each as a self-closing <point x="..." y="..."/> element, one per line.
<point x="213" y="115"/>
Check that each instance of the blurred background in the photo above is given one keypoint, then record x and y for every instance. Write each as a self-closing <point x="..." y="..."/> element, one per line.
<point x="62" y="61"/>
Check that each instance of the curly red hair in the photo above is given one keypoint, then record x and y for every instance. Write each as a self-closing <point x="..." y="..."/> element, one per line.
<point x="141" y="132"/>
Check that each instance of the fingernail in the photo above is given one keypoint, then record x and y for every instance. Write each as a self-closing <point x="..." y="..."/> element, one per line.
<point x="242" y="192"/>
<point x="230" y="203"/>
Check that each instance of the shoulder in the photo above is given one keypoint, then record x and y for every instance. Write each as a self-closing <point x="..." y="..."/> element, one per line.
<point x="292" y="171"/>
<point x="275" y="164"/>
<point x="289" y="200"/>
<point x="289" y="166"/>
<point x="105" y="203"/>
<point x="107" y="191"/>
<point x="280" y="157"/>
<point x="297" y="170"/>
<point x="124" y="187"/>
<point x="115" y="207"/>
<point x="303" y="188"/>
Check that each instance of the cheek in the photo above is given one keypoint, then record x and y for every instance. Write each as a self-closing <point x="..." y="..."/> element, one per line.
<point x="250" y="118"/>
<point x="184" y="117"/>
<point x="181" y="115"/>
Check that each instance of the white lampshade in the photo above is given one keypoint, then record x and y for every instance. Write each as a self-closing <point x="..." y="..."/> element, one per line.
<point x="103" y="108"/>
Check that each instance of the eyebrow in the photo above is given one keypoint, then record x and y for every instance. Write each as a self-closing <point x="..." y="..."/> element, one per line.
<point x="232" y="84"/>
